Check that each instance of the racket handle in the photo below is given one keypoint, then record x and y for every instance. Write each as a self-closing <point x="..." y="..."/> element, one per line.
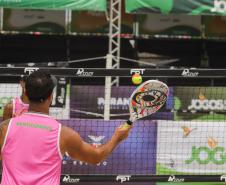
<point x="129" y="122"/>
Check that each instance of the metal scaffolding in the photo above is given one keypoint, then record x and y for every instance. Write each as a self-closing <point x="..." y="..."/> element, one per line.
<point x="113" y="57"/>
<point x="115" y="32"/>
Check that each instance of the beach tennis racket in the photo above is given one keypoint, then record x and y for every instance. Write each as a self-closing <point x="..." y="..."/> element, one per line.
<point x="147" y="99"/>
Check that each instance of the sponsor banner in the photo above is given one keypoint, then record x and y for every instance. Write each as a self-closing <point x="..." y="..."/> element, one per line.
<point x="88" y="22"/>
<point x="60" y="105"/>
<point x="145" y="178"/>
<point x="94" y="5"/>
<point x="70" y="179"/>
<point x="191" y="147"/>
<point x="215" y="26"/>
<point x="156" y="24"/>
<point x="191" y="7"/>
<point x="88" y="102"/>
<point x="34" y="20"/>
<point x="135" y="155"/>
<point x="199" y="103"/>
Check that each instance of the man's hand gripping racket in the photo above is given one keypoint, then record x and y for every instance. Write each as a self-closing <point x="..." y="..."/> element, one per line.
<point x="147" y="99"/>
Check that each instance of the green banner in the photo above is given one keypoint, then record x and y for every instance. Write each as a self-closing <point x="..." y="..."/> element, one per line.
<point x="94" y="5"/>
<point x="200" y="103"/>
<point x="191" y="7"/>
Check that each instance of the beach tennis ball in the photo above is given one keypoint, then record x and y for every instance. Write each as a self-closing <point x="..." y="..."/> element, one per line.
<point x="137" y="79"/>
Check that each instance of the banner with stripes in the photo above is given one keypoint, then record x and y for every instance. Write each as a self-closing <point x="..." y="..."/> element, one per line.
<point x="191" y="7"/>
<point x="94" y="5"/>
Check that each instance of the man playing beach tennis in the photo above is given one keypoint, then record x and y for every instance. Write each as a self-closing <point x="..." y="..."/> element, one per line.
<point x="32" y="145"/>
<point x="18" y="105"/>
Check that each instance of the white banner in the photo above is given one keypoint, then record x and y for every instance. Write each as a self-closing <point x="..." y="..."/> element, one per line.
<point x="9" y="91"/>
<point x="191" y="147"/>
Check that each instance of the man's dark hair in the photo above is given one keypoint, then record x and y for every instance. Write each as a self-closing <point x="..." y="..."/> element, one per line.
<point x="39" y="86"/>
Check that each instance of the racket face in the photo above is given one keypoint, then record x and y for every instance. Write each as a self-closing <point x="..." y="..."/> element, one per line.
<point x="148" y="98"/>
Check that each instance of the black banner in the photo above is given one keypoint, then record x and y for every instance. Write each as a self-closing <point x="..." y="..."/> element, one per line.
<point x="97" y="72"/>
<point x="69" y="178"/>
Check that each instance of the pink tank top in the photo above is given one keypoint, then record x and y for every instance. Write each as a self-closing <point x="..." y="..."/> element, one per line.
<point x="31" y="152"/>
<point x="19" y="107"/>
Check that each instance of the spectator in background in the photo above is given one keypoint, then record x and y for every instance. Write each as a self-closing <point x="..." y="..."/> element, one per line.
<point x="18" y="105"/>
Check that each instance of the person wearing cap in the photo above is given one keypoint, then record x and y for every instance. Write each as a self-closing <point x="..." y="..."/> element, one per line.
<point x="18" y="105"/>
<point x="32" y="144"/>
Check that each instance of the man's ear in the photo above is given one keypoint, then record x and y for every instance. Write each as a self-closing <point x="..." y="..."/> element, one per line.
<point x="50" y="99"/>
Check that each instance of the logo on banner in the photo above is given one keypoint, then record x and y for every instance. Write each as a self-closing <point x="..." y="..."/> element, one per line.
<point x="96" y="140"/>
<point x="219" y="6"/>
<point x="204" y="155"/>
<point x="82" y="72"/>
<point x="137" y="71"/>
<point x="187" y="131"/>
<point x="60" y="93"/>
<point x="61" y="96"/>
<point x="69" y="179"/>
<point x="66" y="159"/>
<point x="188" y="73"/>
<point x="29" y="70"/>
<point x="217" y="104"/>
<point x="115" y="103"/>
<point x="81" y="163"/>
<point x="123" y="178"/>
<point x="223" y="178"/>
<point x="202" y="103"/>
<point x="172" y="178"/>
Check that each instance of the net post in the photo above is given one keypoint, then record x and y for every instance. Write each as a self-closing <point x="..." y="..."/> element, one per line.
<point x="107" y="91"/>
<point x="1" y="19"/>
<point x="68" y="14"/>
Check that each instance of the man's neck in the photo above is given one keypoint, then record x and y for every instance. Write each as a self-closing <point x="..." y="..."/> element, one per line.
<point x="38" y="107"/>
<point x="24" y="98"/>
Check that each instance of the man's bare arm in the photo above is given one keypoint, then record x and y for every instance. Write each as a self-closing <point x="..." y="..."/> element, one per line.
<point x="8" y="111"/>
<point x="3" y="130"/>
<point x="78" y="149"/>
